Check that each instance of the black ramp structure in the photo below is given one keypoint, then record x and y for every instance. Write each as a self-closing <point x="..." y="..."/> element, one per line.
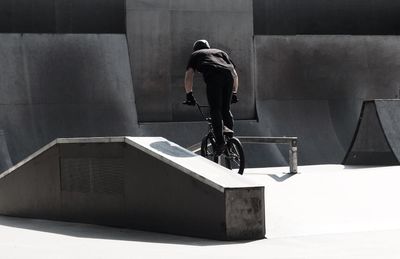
<point x="313" y="86"/>
<point x="144" y="183"/>
<point x="65" y="72"/>
<point x="5" y="160"/>
<point x="161" y="35"/>
<point x="75" y="75"/>
<point x="64" y="85"/>
<point x="326" y="17"/>
<point x="376" y="140"/>
<point x="62" y="16"/>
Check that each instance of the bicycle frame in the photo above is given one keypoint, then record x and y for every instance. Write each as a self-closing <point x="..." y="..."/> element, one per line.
<point x="208" y="119"/>
<point x="231" y="156"/>
<point x="201" y="112"/>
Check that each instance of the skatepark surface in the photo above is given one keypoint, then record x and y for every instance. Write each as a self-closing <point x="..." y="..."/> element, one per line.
<point x="95" y="68"/>
<point x="326" y="211"/>
<point x="24" y="238"/>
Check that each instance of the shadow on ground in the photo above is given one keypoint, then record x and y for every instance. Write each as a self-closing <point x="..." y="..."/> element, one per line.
<point x="102" y="232"/>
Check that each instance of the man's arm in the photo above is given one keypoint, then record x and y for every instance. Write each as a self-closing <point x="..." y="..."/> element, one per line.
<point x="189" y="80"/>
<point x="235" y="82"/>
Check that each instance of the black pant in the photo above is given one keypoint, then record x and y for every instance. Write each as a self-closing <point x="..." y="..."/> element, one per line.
<point x="219" y="95"/>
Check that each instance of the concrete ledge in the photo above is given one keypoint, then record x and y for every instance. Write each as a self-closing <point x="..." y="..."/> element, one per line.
<point x="144" y="183"/>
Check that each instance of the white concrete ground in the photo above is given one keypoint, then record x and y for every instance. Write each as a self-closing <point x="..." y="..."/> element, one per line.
<point x="326" y="199"/>
<point x="327" y="211"/>
<point x="24" y="238"/>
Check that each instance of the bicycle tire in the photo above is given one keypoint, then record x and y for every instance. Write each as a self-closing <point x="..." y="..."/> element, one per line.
<point x="207" y="148"/>
<point x="234" y="155"/>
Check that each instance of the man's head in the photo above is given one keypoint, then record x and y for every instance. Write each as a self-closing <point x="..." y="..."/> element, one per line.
<point x="201" y="44"/>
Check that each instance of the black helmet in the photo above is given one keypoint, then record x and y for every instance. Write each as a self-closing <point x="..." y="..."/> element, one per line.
<point x="201" y="44"/>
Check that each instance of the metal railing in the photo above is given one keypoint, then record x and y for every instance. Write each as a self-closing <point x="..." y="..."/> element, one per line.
<point x="291" y="141"/>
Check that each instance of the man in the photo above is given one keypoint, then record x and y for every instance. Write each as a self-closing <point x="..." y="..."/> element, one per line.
<point x="222" y="83"/>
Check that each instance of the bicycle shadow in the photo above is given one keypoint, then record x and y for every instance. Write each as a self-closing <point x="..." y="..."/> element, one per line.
<point x="279" y="176"/>
<point x="165" y="147"/>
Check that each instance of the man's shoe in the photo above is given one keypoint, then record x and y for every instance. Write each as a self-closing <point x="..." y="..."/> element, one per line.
<point x="219" y="148"/>
<point x="228" y="132"/>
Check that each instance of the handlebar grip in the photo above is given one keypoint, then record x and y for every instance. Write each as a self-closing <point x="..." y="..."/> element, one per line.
<point x="189" y="103"/>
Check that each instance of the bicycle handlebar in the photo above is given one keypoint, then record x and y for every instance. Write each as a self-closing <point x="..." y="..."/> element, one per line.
<point x="199" y="107"/>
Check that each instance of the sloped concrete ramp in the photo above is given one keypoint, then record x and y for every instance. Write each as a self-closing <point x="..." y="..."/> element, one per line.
<point x="5" y="160"/>
<point x="64" y="85"/>
<point x="143" y="183"/>
<point x="376" y="140"/>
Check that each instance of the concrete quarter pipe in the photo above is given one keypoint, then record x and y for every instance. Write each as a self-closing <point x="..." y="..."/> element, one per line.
<point x="376" y="140"/>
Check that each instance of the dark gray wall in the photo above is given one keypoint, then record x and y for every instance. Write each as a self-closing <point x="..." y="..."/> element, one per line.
<point x="5" y="159"/>
<point x="327" y="67"/>
<point x="63" y="85"/>
<point x="161" y="35"/>
<point x="313" y="87"/>
<point x="356" y="17"/>
<point x="81" y="85"/>
<point x="62" y="16"/>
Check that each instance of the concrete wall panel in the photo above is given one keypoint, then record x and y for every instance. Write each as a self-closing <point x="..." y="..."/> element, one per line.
<point x="5" y="160"/>
<point x="12" y="79"/>
<point x="348" y="17"/>
<point x="313" y="86"/>
<point x="62" y="16"/>
<point x="212" y="5"/>
<point x="64" y="85"/>
<point x="160" y="38"/>
<point x="90" y="16"/>
<point x="310" y="121"/>
<point x="327" y="67"/>
<point x="150" y="53"/>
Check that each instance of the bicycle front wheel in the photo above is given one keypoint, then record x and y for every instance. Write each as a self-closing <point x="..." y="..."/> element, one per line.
<point x="233" y="155"/>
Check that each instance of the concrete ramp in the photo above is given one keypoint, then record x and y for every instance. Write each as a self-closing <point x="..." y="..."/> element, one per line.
<point x="64" y="85"/>
<point x="308" y="120"/>
<point x="376" y="140"/>
<point x="144" y="183"/>
<point x="5" y="161"/>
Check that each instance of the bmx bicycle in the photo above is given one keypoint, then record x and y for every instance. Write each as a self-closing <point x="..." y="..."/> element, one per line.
<point x="232" y="157"/>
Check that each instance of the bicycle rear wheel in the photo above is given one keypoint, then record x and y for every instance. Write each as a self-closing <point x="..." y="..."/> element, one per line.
<point x="233" y="155"/>
<point x="207" y="148"/>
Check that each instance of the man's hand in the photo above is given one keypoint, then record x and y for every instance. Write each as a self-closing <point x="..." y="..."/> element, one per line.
<point x="190" y="99"/>
<point x="234" y="98"/>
